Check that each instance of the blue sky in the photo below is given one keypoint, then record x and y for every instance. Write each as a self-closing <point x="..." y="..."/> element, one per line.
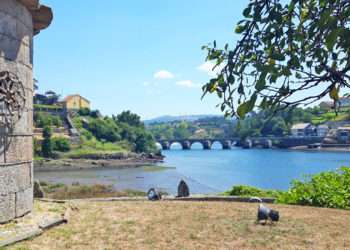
<point x="144" y="55"/>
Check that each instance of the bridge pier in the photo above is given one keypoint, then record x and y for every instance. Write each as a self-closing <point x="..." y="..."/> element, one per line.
<point x="165" y="145"/>
<point x="207" y="145"/>
<point x="226" y="145"/>
<point x="247" y="144"/>
<point x="186" y="145"/>
<point x="267" y="143"/>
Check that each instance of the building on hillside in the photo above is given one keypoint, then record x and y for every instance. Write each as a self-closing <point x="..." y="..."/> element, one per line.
<point x="343" y="134"/>
<point x="322" y="130"/>
<point x="326" y="105"/>
<point x="75" y="102"/>
<point x="303" y="130"/>
<point x="344" y="103"/>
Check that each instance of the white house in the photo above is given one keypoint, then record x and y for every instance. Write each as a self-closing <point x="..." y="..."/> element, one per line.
<point x="322" y="130"/>
<point x="303" y="129"/>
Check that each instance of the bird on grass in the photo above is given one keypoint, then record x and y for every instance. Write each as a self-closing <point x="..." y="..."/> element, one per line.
<point x="265" y="213"/>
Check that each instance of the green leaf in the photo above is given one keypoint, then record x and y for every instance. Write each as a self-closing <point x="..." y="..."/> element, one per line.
<point x="247" y="11"/>
<point x="261" y="83"/>
<point x="331" y="39"/>
<point x="246" y="107"/>
<point x="278" y="56"/>
<point x="240" y="29"/>
<point x="291" y="7"/>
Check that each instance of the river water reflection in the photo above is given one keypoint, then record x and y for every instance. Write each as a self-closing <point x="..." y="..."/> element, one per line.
<point x="212" y="171"/>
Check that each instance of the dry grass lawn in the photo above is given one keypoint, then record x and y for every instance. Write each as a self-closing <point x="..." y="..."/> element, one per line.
<point x="194" y="225"/>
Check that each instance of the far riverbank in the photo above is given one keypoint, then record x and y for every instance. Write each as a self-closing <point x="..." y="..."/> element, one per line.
<point x="322" y="149"/>
<point x="68" y="164"/>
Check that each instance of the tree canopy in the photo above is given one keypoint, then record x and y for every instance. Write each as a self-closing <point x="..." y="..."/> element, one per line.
<point x="283" y="49"/>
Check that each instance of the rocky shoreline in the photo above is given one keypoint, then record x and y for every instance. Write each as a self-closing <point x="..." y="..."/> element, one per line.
<point x="97" y="161"/>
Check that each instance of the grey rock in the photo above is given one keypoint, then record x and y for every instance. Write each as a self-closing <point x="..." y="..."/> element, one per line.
<point x="183" y="190"/>
<point x="154" y="195"/>
<point x="48" y="223"/>
<point x="38" y="191"/>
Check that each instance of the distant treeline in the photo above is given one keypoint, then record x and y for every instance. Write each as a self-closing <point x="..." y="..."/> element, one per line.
<point x="261" y="123"/>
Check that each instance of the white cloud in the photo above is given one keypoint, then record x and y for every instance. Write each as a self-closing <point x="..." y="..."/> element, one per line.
<point x="146" y="84"/>
<point x="207" y="67"/>
<point x="188" y="84"/>
<point x="163" y="74"/>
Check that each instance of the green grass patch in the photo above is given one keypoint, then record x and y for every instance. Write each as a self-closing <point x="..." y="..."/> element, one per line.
<point x="330" y="116"/>
<point x="77" y="191"/>
<point x="155" y="168"/>
<point x="52" y="107"/>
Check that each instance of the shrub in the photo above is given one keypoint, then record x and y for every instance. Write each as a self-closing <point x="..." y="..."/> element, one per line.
<point x="104" y="130"/>
<point x="327" y="189"/>
<point x="56" y="121"/>
<point x="95" y="114"/>
<point x="60" y="144"/>
<point x="248" y="191"/>
<point x="42" y="120"/>
<point x="36" y="147"/>
<point x="84" y="111"/>
<point x="46" y="146"/>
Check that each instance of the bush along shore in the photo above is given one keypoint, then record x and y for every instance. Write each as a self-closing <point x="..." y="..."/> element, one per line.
<point x="327" y="189"/>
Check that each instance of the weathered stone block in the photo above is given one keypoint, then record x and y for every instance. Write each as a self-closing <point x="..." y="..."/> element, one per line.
<point x="24" y="15"/>
<point x="15" y="178"/>
<point x="23" y="53"/>
<point x="20" y="149"/>
<point x="24" y="202"/>
<point x="9" y="7"/>
<point x="8" y="24"/>
<point x="2" y="143"/>
<point x="7" y="207"/>
<point x="24" y="125"/>
<point x="24" y="33"/>
<point x="9" y="47"/>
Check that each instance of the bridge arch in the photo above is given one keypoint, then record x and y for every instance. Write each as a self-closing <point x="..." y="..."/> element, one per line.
<point x="175" y="145"/>
<point x="159" y="145"/>
<point x="217" y="144"/>
<point x="197" y="145"/>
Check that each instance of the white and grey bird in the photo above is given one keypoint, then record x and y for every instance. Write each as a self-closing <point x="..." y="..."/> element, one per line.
<point x="265" y="213"/>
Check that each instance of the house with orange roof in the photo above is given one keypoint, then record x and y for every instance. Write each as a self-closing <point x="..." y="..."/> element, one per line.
<point x="75" y="102"/>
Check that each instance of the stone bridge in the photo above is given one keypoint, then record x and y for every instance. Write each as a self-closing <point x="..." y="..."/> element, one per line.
<point x="207" y="143"/>
<point x="262" y="142"/>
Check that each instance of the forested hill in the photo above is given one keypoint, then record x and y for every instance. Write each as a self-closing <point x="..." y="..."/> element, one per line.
<point x="209" y="127"/>
<point x="187" y="118"/>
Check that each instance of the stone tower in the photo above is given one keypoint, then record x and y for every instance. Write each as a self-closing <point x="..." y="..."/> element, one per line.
<point x="20" y="20"/>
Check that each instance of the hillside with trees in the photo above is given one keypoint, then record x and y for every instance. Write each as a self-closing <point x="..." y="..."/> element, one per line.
<point x="99" y="134"/>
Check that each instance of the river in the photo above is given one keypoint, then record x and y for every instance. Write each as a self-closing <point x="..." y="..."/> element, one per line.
<point x="211" y="171"/>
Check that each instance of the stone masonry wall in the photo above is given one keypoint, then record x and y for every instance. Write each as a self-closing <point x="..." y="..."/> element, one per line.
<point x="16" y="169"/>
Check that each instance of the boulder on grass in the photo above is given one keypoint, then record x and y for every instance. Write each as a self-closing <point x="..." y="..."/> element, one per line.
<point x="183" y="189"/>
<point x="38" y="191"/>
<point x="154" y="195"/>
